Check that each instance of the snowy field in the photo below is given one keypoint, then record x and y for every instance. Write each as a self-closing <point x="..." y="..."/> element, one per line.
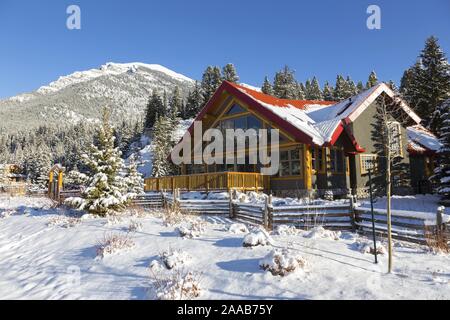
<point x="44" y="255"/>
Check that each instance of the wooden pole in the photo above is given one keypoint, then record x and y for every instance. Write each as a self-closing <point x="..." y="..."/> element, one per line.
<point x="373" y="217"/>
<point x="388" y="192"/>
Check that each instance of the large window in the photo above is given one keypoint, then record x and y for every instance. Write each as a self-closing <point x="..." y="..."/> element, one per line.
<point x="395" y="135"/>
<point x="368" y="162"/>
<point x="236" y="109"/>
<point x="318" y="159"/>
<point x="337" y="160"/>
<point x="290" y="164"/>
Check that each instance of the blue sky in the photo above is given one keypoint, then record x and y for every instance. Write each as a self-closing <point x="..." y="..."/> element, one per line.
<point x="319" y="37"/>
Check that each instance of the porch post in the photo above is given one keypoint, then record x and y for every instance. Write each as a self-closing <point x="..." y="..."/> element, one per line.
<point x="307" y="172"/>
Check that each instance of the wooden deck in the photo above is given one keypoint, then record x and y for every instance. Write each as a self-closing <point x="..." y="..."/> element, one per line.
<point x="223" y="181"/>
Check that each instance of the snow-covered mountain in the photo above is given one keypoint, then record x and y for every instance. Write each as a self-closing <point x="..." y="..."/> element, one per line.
<point x="81" y="95"/>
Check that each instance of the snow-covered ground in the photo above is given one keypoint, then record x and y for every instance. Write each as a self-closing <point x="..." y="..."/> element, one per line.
<point x="45" y="255"/>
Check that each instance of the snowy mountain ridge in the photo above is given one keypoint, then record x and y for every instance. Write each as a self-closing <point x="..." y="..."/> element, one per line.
<point x="80" y="96"/>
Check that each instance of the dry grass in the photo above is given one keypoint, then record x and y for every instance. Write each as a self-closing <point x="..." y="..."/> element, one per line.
<point x="177" y="285"/>
<point x="64" y="221"/>
<point x="437" y="242"/>
<point x="114" y="243"/>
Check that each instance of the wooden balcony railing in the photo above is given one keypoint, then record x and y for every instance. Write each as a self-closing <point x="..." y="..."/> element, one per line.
<point x="225" y="181"/>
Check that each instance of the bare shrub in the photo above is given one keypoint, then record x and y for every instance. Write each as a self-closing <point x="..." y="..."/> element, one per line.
<point x="174" y="258"/>
<point x="177" y="285"/>
<point x="437" y="242"/>
<point x="64" y="221"/>
<point x="114" y="243"/>
<point x="134" y="226"/>
<point x="172" y="216"/>
<point x="194" y="228"/>
<point x="283" y="262"/>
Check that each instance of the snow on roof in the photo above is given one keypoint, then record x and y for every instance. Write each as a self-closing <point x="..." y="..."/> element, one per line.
<point x="420" y="139"/>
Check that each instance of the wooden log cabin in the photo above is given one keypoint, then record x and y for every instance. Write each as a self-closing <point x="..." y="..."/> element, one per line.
<point x="324" y="146"/>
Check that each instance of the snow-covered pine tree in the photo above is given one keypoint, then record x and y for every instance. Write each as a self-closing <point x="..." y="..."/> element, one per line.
<point x="315" y="91"/>
<point x="328" y="94"/>
<point x="194" y="102"/>
<point x="176" y="102"/>
<point x="300" y="92"/>
<point x="38" y="165"/>
<point x="433" y="84"/>
<point x="133" y="179"/>
<point x="308" y="89"/>
<point x="285" y="85"/>
<point x="372" y="81"/>
<point x="442" y="171"/>
<point x="267" y="87"/>
<point x="104" y="193"/>
<point x="211" y="80"/>
<point x="161" y="147"/>
<point x="340" y="92"/>
<point x="360" y="87"/>
<point x="155" y="107"/>
<point x="229" y="73"/>
<point x="351" y="87"/>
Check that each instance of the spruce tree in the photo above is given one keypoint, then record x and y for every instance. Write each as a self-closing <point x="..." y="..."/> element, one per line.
<point x="433" y="82"/>
<point x="211" y="80"/>
<point x="194" y="102"/>
<point x="161" y="146"/>
<point x="267" y="87"/>
<point x="229" y="73"/>
<point x="372" y="81"/>
<point x="176" y="102"/>
<point x="340" y="90"/>
<point x="328" y="94"/>
<point x="308" y="89"/>
<point x="285" y="85"/>
<point x="155" y="107"/>
<point x="133" y="179"/>
<point x="104" y="194"/>
<point x="315" y="92"/>
<point x="300" y="92"/>
<point x="442" y="171"/>
<point x="351" y="89"/>
<point x="360" y="87"/>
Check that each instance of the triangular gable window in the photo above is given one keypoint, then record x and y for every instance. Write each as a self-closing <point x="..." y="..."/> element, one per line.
<point x="236" y="109"/>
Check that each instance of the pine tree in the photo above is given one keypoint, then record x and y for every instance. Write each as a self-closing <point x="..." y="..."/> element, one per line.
<point x="211" y="80"/>
<point x="155" y="107"/>
<point x="391" y="84"/>
<point x="133" y="179"/>
<point x="328" y="94"/>
<point x="340" y="90"/>
<point x="433" y="83"/>
<point x="360" y="87"/>
<point x="350" y="87"/>
<point x="176" y="102"/>
<point x="194" y="102"/>
<point x="161" y="146"/>
<point x="229" y="73"/>
<point x="315" y="92"/>
<point x="38" y="165"/>
<point x="442" y="171"/>
<point x="372" y="81"/>
<point x="300" y="92"/>
<point x="267" y="87"/>
<point x="104" y="193"/>
<point x="285" y="85"/>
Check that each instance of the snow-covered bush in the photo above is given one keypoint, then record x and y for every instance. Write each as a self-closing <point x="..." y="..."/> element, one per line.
<point x="7" y="213"/>
<point x="236" y="228"/>
<point x="172" y="216"/>
<point x="366" y="247"/>
<point x="134" y="226"/>
<point x="174" y="258"/>
<point x="320" y="232"/>
<point x="328" y="195"/>
<point x="114" y="243"/>
<point x="282" y="262"/>
<point x="284" y="230"/>
<point x="257" y="238"/>
<point x="194" y="228"/>
<point x="178" y="285"/>
<point x="64" y="221"/>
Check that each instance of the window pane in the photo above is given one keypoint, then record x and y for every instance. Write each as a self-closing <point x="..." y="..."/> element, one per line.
<point x="333" y="160"/>
<point x="240" y="123"/>
<point x="253" y="123"/>
<point x="227" y="124"/>
<point x="236" y="109"/>
<point x="284" y="155"/>
<point x="295" y="154"/>
<point x="295" y="168"/>
<point x="285" y="170"/>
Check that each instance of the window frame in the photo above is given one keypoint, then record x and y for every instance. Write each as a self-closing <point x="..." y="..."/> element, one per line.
<point x="398" y="126"/>
<point x="290" y="161"/>
<point x="334" y="162"/>
<point x="314" y="161"/>
<point x="363" y="168"/>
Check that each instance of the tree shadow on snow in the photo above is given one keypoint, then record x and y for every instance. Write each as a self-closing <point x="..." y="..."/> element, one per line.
<point x="229" y="243"/>
<point x="243" y="265"/>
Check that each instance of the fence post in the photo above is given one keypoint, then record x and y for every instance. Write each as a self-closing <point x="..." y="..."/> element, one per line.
<point x="439" y="221"/>
<point x="266" y="214"/>
<point x="232" y="213"/>
<point x="270" y="213"/>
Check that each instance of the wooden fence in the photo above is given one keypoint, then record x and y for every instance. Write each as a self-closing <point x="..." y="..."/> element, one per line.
<point x="14" y="189"/>
<point x="225" y="181"/>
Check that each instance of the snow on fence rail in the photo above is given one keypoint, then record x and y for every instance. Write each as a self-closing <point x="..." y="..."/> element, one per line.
<point x="201" y="206"/>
